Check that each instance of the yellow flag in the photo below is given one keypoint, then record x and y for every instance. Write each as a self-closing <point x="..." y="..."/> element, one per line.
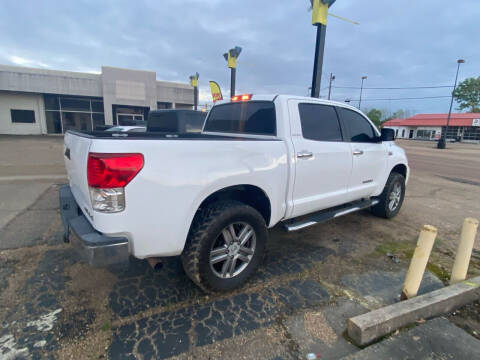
<point x="216" y="92"/>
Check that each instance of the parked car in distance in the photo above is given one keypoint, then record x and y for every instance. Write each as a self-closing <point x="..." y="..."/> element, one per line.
<point x="210" y="197"/>
<point x="176" y="121"/>
<point x="127" y="129"/>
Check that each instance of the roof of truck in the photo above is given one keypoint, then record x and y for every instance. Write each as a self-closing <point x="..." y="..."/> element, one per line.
<point x="272" y="97"/>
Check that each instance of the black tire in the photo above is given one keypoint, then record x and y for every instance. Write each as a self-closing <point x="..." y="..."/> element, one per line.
<point x="205" y="233"/>
<point x="384" y="208"/>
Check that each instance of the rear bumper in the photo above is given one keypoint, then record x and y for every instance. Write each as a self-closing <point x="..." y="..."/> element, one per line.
<point x="94" y="247"/>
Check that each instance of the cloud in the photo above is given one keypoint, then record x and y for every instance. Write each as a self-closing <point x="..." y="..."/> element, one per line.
<point x="17" y="60"/>
<point x="398" y="43"/>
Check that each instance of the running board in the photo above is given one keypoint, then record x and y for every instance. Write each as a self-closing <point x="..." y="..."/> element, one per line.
<point x="325" y="215"/>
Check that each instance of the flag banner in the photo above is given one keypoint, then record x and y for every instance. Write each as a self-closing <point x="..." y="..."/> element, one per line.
<point x="216" y="92"/>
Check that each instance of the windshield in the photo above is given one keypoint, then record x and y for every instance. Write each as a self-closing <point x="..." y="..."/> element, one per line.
<point x="249" y="117"/>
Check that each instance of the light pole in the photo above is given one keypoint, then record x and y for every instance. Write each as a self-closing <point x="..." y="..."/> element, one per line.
<point x="442" y="143"/>
<point x="332" y="77"/>
<point x="319" y="19"/>
<point x="361" y="89"/>
<point x="194" y="83"/>
<point x="231" y="56"/>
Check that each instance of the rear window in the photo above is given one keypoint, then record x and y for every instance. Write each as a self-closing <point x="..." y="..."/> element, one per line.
<point x="163" y="122"/>
<point x="250" y="117"/>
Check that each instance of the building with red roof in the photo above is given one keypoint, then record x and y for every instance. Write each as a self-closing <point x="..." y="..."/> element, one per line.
<point x="462" y="127"/>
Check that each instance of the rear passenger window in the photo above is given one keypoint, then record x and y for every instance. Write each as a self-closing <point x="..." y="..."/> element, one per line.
<point x="319" y="122"/>
<point x="248" y="117"/>
<point x="359" y="128"/>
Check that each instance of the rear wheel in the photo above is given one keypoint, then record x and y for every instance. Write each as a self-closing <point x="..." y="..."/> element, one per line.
<point x="391" y="199"/>
<point x="225" y="245"/>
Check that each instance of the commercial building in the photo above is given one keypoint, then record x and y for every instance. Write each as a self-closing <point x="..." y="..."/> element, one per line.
<point x="462" y="127"/>
<point x="39" y="101"/>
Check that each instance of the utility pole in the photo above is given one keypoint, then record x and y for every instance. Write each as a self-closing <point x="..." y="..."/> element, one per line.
<point x="361" y="89"/>
<point x="194" y="83"/>
<point x="231" y="56"/>
<point x="332" y="77"/>
<point x="442" y="143"/>
<point x="319" y="19"/>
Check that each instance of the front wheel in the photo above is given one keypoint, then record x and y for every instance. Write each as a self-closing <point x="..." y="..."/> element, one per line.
<point x="391" y="199"/>
<point x="225" y="246"/>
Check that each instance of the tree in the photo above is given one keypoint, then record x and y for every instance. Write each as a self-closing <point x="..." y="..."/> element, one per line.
<point x="467" y="94"/>
<point x="399" y="114"/>
<point x="376" y="116"/>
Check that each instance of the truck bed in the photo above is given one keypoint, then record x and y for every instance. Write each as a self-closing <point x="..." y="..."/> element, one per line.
<point x="164" y="136"/>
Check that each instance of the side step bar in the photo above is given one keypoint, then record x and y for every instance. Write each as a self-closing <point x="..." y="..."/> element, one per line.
<point x="325" y="215"/>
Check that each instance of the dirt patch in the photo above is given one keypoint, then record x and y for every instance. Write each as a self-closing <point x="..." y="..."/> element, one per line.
<point x="85" y="329"/>
<point x="468" y="318"/>
<point x="317" y="326"/>
<point x="22" y="264"/>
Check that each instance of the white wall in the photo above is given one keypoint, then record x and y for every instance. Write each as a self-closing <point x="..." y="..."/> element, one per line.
<point x="400" y="131"/>
<point x="21" y="101"/>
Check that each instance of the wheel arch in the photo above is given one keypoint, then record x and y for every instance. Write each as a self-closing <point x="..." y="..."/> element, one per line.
<point x="401" y="169"/>
<point x="251" y="195"/>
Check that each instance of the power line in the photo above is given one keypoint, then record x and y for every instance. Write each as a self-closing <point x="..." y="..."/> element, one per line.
<point x="394" y="88"/>
<point x="404" y="98"/>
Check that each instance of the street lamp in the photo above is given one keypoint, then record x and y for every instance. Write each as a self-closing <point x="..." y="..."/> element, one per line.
<point x="194" y="83"/>
<point x="442" y="143"/>
<point x="361" y="89"/>
<point x="231" y="56"/>
<point x="319" y="19"/>
<point x="332" y="77"/>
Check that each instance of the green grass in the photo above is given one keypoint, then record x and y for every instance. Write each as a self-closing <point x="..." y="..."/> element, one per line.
<point x="439" y="272"/>
<point x="400" y="249"/>
<point x="405" y="251"/>
<point x="106" y="326"/>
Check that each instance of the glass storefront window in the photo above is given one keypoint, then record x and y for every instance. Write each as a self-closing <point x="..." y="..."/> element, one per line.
<point x="54" y="126"/>
<point x="98" y="120"/>
<point x="51" y="102"/>
<point x="76" y="113"/>
<point x="97" y="106"/>
<point x="75" y="104"/>
<point x="76" y="120"/>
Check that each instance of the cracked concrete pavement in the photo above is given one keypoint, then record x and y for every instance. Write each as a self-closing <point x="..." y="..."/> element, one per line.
<point x="53" y="306"/>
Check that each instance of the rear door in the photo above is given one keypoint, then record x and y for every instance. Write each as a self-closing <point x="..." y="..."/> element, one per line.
<point x="323" y="161"/>
<point x="368" y="153"/>
<point x="75" y="154"/>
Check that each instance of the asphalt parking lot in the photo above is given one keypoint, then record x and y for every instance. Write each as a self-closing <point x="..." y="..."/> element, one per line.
<point x="53" y="306"/>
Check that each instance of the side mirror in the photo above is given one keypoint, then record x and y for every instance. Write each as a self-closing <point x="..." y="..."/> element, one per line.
<point x="387" y="134"/>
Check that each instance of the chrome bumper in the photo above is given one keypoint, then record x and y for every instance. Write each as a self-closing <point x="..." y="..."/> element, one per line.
<point x="94" y="247"/>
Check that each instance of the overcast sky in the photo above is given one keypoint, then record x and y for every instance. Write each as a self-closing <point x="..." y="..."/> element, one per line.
<point x="398" y="43"/>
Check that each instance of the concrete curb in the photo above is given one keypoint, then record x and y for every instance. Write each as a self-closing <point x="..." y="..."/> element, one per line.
<point x="366" y="328"/>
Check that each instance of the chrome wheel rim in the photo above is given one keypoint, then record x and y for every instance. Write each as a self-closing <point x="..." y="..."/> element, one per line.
<point x="395" y="197"/>
<point x="232" y="250"/>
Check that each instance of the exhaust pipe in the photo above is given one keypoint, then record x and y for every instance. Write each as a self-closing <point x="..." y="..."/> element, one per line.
<point x="155" y="263"/>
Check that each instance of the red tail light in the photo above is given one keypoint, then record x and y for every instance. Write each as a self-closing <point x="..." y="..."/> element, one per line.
<point x="112" y="170"/>
<point x="244" y="97"/>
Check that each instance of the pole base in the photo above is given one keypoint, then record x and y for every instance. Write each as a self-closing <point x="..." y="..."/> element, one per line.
<point x="442" y="144"/>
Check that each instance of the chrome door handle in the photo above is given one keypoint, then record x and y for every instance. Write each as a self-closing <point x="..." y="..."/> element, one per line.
<point x="304" y="154"/>
<point x="357" y="152"/>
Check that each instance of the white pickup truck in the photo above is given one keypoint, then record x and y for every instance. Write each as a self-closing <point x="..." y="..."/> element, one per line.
<point x="210" y="197"/>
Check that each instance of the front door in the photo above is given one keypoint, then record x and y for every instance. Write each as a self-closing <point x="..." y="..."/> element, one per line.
<point x="323" y="160"/>
<point x="410" y="135"/>
<point x="369" y="155"/>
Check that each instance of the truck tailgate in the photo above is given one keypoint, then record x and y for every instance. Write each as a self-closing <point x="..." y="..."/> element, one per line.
<point x="76" y="150"/>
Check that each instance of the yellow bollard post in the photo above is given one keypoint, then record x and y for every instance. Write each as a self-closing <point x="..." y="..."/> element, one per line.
<point x="419" y="262"/>
<point x="464" y="250"/>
